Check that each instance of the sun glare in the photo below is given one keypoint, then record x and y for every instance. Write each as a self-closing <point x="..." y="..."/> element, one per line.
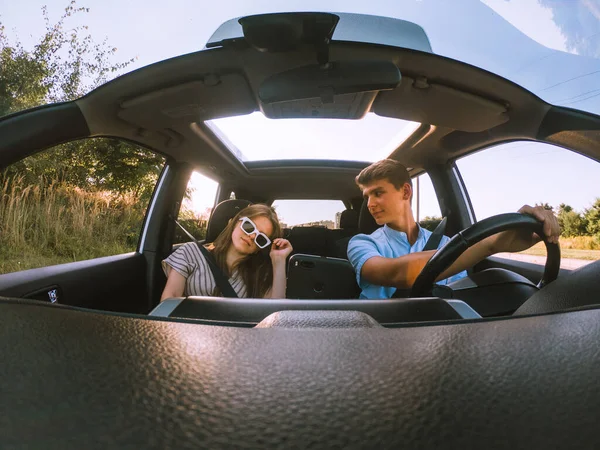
<point x="258" y="138"/>
<point x="203" y="192"/>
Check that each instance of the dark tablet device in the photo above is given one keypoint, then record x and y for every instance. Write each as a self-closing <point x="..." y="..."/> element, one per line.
<point x="320" y="277"/>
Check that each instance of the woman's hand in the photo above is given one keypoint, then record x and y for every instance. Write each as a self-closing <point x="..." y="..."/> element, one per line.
<point x="280" y="249"/>
<point x="519" y="240"/>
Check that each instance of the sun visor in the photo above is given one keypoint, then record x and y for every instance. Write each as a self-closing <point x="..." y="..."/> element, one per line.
<point x="418" y="100"/>
<point x="213" y="97"/>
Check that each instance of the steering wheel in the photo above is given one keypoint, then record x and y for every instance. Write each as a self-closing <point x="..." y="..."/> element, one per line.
<point x="445" y="256"/>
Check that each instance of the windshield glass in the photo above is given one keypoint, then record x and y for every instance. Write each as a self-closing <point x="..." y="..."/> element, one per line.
<point x="550" y="47"/>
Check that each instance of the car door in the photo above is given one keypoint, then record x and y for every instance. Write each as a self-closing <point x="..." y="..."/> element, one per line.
<point x="71" y="218"/>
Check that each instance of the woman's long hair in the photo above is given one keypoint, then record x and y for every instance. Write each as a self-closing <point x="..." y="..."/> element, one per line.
<point x="255" y="269"/>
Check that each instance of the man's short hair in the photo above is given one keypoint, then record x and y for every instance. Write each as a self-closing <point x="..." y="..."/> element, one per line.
<point x="386" y="169"/>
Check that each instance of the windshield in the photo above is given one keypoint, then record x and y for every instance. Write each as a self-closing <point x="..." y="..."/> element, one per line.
<point x="550" y="47"/>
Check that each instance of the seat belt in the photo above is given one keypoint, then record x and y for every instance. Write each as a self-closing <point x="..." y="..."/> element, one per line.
<point x="220" y="279"/>
<point x="432" y="244"/>
<point x="436" y="237"/>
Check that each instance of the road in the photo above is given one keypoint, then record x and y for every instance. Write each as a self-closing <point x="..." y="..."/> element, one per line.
<point x="569" y="264"/>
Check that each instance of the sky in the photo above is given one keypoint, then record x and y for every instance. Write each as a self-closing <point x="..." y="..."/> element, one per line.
<point x="551" y="47"/>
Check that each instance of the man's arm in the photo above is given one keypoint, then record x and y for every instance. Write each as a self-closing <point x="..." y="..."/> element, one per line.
<point x="403" y="271"/>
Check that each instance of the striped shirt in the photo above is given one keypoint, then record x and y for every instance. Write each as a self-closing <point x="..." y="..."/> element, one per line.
<point x="188" y="261"/>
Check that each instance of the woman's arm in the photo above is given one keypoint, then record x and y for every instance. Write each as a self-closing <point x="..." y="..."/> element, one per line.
<point x="175" y="285"/>
<point x="280" y="249"/>
<point x="279" y="281"/>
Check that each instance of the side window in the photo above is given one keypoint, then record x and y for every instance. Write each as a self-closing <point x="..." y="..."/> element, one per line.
<point x="196" y="207"/>
<point x="76" y="201"/>
<point x="505" y="177"/>
<point x="425" y="205"/>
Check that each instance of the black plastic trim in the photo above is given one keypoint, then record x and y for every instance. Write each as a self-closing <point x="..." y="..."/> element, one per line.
<point x="301" y="163"/>
<point x="33" y="130"/>
<point x="255" y="310"/>
<point x="113" y="283"/>
<point x="533" y="272"/>
<point x="559" y="119"/>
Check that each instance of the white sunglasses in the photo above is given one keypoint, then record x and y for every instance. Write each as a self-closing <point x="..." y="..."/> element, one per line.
<point x="249" y="227"/>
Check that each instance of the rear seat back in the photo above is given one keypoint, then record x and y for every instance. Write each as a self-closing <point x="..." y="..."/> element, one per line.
<point x="320" y="241"/>
<point x="349" y="222"/>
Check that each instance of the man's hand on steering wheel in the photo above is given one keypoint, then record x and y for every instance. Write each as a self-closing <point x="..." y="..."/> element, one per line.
<point x="519" y="240"/>
<point x="511" y="232"/>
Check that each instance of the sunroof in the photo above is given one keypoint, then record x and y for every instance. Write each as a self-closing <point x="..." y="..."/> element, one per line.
<point x="255" y="138"/>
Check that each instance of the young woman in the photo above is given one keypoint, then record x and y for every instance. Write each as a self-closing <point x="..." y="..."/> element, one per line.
<point x="240" y="252"/>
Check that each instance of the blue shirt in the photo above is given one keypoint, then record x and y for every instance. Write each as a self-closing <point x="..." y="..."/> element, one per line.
<point x="388" y="243"/>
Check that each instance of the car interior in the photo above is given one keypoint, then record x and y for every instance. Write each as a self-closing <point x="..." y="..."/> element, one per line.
<point x="506" y="356"/>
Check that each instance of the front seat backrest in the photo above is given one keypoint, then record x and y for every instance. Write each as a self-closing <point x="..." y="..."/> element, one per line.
<point x="223" y="213"/>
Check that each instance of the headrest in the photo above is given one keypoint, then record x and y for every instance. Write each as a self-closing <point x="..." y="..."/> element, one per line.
<point x="222" y="213"/>
<point x="366" y="222"/>
<point x="349" y="219"/>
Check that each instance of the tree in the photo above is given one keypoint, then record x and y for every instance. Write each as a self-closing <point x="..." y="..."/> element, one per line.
<point x="571" y="222"/>
<point x="546" y="206"/>
<point x="592" y="216"/>
<point x="430" y="222"/>
<point x="62" y="66"/>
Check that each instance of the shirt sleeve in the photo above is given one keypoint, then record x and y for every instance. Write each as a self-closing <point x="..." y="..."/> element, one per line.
<point x="360" y="249"/>
<point x="180" y="260"/>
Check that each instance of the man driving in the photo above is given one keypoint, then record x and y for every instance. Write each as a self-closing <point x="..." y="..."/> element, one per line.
<point x="392" y="256"/>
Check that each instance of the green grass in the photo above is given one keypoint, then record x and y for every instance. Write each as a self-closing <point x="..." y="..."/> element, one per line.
<point x="52" y="223"/>
<point x="60" y="223"/>
<point x="566" y="251"/>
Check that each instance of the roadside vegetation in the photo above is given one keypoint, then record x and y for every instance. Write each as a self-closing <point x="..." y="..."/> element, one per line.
<point x="580" y="237"/>
<point x="78" y="200"/>
<point x="583" y="247"/>
<point x="52" y="223"/>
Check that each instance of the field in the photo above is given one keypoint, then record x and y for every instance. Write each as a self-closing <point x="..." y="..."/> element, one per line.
<point x="60" y="224"/>
<point x="583" y="247"/>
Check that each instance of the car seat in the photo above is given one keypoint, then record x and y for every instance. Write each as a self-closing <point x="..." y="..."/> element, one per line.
<point x="221" y="215"/>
